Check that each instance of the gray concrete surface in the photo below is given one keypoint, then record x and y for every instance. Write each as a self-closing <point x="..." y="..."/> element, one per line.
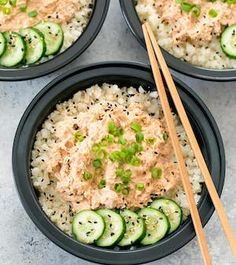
<point x="21" y="243"/>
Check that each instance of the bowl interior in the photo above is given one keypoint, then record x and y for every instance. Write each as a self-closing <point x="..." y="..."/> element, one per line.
<point x="123" y="75"/>
<point x="61" y="59"/>
<point x="132" y="19"/>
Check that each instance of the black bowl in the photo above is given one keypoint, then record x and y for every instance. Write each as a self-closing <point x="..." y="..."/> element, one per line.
<point x="77" y="48"/>
<point x="132" y="19"/>
<point x="63" y="88"/>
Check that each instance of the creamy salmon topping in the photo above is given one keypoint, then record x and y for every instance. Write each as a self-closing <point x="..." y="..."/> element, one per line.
<point x="85" y="183"/>
<point x="198" y="29"/>
<point x="58" y="11"/>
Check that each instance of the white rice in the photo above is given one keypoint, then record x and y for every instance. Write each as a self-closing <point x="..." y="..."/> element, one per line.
<point x="208" y="56"/>
<point x="58" y="210"/>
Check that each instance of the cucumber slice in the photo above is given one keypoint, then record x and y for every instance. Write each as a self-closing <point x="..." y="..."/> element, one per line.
<point x="15" y="50"/>
<point x="35" y="45"/>
<point x="171" y="210"/>
<point x="114" y="228"/>
<point x="157" y="225"/>
<point x="135" y="228"/>
<point x="228" y="41"/>
<point x="53" y="36"/>
<point x="2" y="44"/>
<point x="87" y="226"/>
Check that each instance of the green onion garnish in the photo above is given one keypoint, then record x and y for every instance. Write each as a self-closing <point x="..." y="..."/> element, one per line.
<point x="6" y="10"/>
<point x="87" y="176"/>
<point x="139" y="137"/>
<point x="186" y="7"/>
<point x="136" y="127"/>
<point x="156" y="172"/>
<point x="150" y="141"/>
<point x="165" y="136"/>
<point x="78" y="136"/>
<point x="102" y="184"/>
<point x="97" y="163"/>
<point x="3" y="2"/>
<point x="135" y="161"/>
<point x="124" y="175"/>
<point x="118" y="187"/>
<point x="213" y="13"/>
<point x="125" y="191"/>
<point x="196" y="11"/>
<point x="23" y="7"/>
<point x="139" y="186"/>
<point x="122" y="140"/>
<point x="33" y="13"/>
<point x="12" y="2"/>
<point x="114" y="130"/>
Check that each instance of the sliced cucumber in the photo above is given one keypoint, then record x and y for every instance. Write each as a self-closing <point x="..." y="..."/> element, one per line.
<point x="135" y="228"/>
<point x="15" y="50"/>
<point x="35" y="45"/>
<point x="157" y="225"/>
<point x="2" y="44"/>
<point x="88" y="226"/>
<point x="53" y="35"/>
<point x="228" y="41"/>
<point x="171" y="210"/>
<point x="114" y="228"/>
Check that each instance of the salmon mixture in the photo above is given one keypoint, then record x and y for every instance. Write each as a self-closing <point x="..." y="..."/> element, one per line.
<point x="107" y="147"/>
<point x="191" y="30"/>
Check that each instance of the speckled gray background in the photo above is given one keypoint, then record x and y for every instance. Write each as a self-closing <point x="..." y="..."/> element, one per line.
<point x="21" y="243"/>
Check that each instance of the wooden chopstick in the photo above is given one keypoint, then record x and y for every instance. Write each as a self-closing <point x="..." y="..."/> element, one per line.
<point x="194" y="144"/>
<point x="177" y="149"/>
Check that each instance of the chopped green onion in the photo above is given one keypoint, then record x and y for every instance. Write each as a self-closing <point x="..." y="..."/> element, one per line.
<point x="196" y="11"/>
<point x="6" y="10"/>
<point x="3" y="2"/>
<point x="165" y="136"/>
<point x="102" y="184"/>
<point x="136" y="127"/>
<point x="156" y="172"/>
<point x="125" y="191"/>
<point x="23" y="7"/>
<point x="213" y="13"/>
<point x="186" y="7"/>
<point x="97" y="163"/>
<point x="114" y="130"/>
<point x="139" y="137"/>
<point x="122" y="140"/>
<point x="135" y="161"/>
<point x="78" y="136"/>
<point x="33" y="13"/>
<point x="12" y="2"/>
<point x="139" y="186"/>
<point x="150" y="141"/>
<point x="118" y="187"/>
<point x="87" y="176"/>
<point x="124" y="175"/>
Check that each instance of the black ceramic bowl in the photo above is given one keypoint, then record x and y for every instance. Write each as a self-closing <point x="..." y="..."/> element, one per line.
<point x="78" y="47"/>
<point x="132" y="19"/>
<point x="126" y="74"/>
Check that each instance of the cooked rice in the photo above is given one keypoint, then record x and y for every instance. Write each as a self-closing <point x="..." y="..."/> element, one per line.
<point x="207" y="56"/>
<point x="59" y="211"/>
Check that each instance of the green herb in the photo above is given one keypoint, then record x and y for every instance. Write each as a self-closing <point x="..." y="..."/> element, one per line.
<point x="124" y="175"/>
<point x="139" y="137"/>
<point x="114" y="130"/>
<point x="102" y="184"/>
<point x="156" y="172"/>
<point x="87" y="176"/>
<point x="213" y="13"/>
<point x="122" y="140"/>
<point x="186" y="6"/>
<point x="97" y="163"/>
<point x="23" y="8"/>
<point x="12" y="2"/>
<point x="136" y="127"/>
<point x="139" y="186"/>
<point x="3" y="2"/>
<point x="150" y="141"/>
<point x="33" y="13"/>
<point x="118" y="187"/>
<point x="6" y="10"/>
<point x="78" y="136"/>
<point x="196" y="11"/>
<point x="165" y="136"/>
<point x="125" y="191"/>
<point x="135" y="161"/>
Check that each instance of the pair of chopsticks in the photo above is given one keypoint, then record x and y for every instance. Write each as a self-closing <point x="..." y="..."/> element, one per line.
<point x="157" y="60"/>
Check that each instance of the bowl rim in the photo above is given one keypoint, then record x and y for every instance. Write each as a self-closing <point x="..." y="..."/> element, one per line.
<point x="133" y="22"/>
<point x="60" y="60"/>
<point x="31" y="204"/>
